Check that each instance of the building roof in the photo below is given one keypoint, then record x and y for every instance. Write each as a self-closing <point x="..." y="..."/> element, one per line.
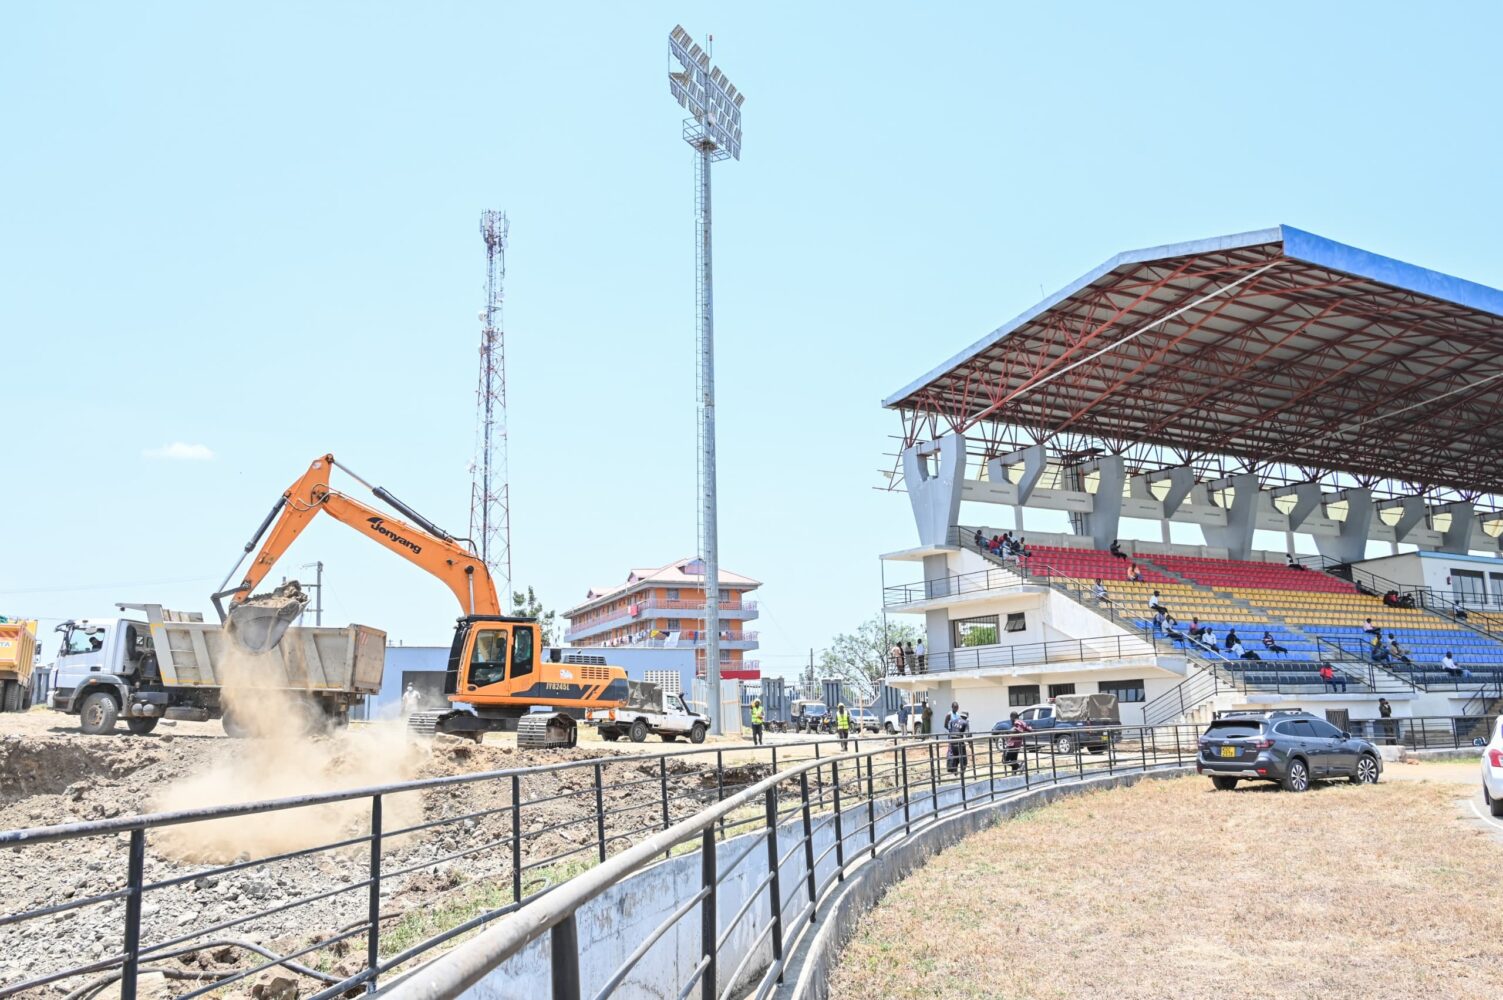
<point x="1272" y="346"/>
<point x="679" y="573"/>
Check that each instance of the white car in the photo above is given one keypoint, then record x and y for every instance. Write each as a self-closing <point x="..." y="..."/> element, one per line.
<point x="1492" y="770"/>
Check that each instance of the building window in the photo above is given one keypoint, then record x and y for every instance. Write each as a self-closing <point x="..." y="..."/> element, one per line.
<point x="1022" y="695"/>
<point x="672" y="594"/>
<point x="674" y="624"/>
<point x="1016" y="622"/>
<point x="1055" y="690"/>
<point x="974" y="631"/>
<point x="1125" y="691"/>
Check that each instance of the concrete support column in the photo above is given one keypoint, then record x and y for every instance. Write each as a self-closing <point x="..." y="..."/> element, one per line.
<point x="1241" y="517"/>
<point x="932" y="473"/>
<point x="1458" y="537"/>
<point x="1307" y="501"/>
<point x="1106" y="505"/>
<point x="1414" y="515"/>
<point x="1351" y="544"/>
<point x="1034" y="459"/>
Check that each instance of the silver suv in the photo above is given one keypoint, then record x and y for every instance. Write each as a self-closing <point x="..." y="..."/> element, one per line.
<point x="1291" y="748"/>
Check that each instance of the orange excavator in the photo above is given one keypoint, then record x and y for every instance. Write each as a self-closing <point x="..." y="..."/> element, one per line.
<point x="497" y="676"/>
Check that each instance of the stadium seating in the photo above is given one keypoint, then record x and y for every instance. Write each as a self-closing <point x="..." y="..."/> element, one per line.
<point x="1319" y="606"/>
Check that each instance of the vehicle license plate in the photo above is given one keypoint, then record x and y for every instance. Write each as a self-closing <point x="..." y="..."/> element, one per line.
<point x="1228" y="751"/>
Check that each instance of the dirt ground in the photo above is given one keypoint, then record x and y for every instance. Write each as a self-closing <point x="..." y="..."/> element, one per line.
<point x="50" y="773"/>
<point x="1171" y="889"/>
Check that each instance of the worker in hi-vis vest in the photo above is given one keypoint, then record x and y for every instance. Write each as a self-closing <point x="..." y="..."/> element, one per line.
<point x="756" y="714"/>
<point x="842" y="724"/>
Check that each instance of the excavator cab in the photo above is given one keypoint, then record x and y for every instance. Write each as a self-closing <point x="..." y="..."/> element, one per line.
<point x="492" y="657"/>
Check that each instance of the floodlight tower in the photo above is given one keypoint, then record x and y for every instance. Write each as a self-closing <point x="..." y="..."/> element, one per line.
<point x="490" y="491"/>
<point x="714" y="130"/>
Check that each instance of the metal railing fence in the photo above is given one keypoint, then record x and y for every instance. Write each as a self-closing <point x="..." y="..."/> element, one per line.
<point x="769" y="858"/>
<point x="514" y="834"/>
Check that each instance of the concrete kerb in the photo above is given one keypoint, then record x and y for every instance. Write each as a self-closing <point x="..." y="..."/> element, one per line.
<point x="809" y="968"/>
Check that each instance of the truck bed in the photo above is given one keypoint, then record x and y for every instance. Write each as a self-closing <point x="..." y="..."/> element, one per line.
<point x="197" y="654"/>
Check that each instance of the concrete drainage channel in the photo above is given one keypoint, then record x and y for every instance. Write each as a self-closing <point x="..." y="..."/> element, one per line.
<point x="809" y="968"/>
<point x="782" y="872"/>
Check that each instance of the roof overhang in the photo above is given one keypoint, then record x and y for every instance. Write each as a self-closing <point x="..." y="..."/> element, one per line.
<point x="1273" y="346"/>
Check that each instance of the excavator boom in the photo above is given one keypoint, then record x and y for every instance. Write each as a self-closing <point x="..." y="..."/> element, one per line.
<point x="258" y="622"/>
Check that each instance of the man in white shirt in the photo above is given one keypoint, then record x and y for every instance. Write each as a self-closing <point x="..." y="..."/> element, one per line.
<point x="1153" y="602"/>
<point x="918" y="652"/>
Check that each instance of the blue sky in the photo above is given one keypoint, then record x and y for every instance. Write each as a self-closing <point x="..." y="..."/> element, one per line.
<point x="254" y="229"/>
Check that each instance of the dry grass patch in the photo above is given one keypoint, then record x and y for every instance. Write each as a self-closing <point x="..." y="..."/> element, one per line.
<point x="1169" y="889"/>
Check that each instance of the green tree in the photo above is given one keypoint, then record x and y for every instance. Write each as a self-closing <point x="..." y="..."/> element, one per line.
<point x="859" y="659"/>
<point x="526" y="605"/>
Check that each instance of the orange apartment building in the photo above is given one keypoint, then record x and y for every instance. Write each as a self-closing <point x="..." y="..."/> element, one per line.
<point x="665" y="608"/>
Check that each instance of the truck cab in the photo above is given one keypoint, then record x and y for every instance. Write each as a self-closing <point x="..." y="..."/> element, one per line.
<point x="108" y="657"/>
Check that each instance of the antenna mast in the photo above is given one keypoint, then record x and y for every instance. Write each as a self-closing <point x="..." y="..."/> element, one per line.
<point x="490" y="487"/>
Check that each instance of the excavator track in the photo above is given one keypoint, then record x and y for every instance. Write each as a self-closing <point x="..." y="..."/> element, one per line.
<point x="542" y="732"/>
<point x="424" y="723"/>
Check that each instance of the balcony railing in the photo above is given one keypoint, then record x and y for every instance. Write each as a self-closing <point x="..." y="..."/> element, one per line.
<point x="1030" y="654"/>
<point x="728" y="640"/>
<point x="984" y="581"/>
<point x="740" y="610"/>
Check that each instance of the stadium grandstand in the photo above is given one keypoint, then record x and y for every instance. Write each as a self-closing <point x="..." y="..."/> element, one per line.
<point x="1269" y="434"/>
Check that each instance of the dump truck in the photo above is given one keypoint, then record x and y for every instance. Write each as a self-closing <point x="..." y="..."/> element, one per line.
<point x="156" y="664"/>
<point x="18" y="651"/>
<point x="648" y="711"/>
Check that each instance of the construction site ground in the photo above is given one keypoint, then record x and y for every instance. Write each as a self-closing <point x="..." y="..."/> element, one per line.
<point x="50" y="773"/>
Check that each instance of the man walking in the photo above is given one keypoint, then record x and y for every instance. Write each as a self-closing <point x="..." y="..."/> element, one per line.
<point x="1014" y="744"/>
<point x="756" y="721"/>
<point x="842" y="724"/>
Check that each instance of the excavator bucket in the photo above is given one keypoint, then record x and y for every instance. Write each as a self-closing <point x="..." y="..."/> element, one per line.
<point x="258" y="624"/>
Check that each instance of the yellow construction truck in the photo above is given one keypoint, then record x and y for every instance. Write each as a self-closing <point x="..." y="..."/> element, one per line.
<point x="18" y="653"/>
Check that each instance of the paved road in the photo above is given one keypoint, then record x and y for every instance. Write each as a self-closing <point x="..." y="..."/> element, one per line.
<point x="1465" y="775"/>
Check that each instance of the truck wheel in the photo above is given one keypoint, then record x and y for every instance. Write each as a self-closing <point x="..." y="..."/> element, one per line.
<point x="98" y="713"/>
<point x="697" y="734"/>
<point x="141" y="726"/>
<point x="232" y="726"/>
<point x="1064" y="744"/>
<point x="638" y="731"/>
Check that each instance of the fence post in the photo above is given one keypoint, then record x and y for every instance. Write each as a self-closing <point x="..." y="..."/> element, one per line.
<point x="933" y="778"/>
<point x="839" y="827"/>
<point x="907" y="816"/>
<point x="373" y="934"/>
<point x="820" y="776"/>
<point x="774" y="887"/>
<point x="599" y="813"/>
<point x="871" y="804"/>
<point x="803" y="782"/>
<point x="516" y="838"/>
<point x="991" y="766"/>
<point x="709" y="926"/>
<point x="565" y="959"/>
<point x="135" y="877"/>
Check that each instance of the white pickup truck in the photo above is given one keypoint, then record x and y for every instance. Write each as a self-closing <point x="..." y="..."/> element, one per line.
<point x="647" y="711"/>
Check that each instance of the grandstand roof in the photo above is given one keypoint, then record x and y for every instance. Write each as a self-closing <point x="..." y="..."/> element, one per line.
<point x="1272" y="346"/>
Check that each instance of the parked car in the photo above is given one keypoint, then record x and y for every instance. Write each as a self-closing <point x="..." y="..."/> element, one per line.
<point x="864" y="720"/>
<point x="1289" y="747"/>
<point x="1492" y="770"/>
<point x="1054" y="725"/>
<point x="891" y="727"/>
<point x="811" y="716"/>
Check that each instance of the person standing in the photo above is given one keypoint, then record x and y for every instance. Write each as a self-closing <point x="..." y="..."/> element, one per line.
<point x="959" y="727"/>
<point x="842" y="724"/>
<point x="927" y="719"/>
<point x="756" y="721"/>
<point x="411" y="699"/>
<point x="919" y="653"/>
<point x="896" y="653"/>
<point x="1014" y="744"/>
<point x="903" y="719"/>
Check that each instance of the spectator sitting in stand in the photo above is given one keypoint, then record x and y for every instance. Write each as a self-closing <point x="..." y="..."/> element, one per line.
<point x="1234" y="649"/>
<point x="1134" y="575"/>
<point x="1457" y="611"/>
<point x="1330" y="678"/>
<point x="1391" y="599"/>
<point x="1154" y="602"/>
<point x="980" y="540"/>
<point x="1449" y="665"/>
<point x="1289" y="561"/>
<point x="1158" y="619"/>
<point x="1195" y="627"/>
<point x="1397" y="652"/>
<point x="1272" y="646"/>
<point x="1208" y="638"/>
<point x="1172" y="629"/>
<point x="1368" y="628"/>
<point x="1250" y="655"/>
<point x="1099" y="591"/>
<point x="1116" y="550"/>
<point x="1232" y="639"/>
<point x="1377" y="651"/>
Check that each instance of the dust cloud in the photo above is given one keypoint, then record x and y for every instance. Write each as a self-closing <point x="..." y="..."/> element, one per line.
<point x="288" y="750"/>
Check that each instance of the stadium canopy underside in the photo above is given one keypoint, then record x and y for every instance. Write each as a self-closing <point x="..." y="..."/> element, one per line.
<point x="1277" y="352"/>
